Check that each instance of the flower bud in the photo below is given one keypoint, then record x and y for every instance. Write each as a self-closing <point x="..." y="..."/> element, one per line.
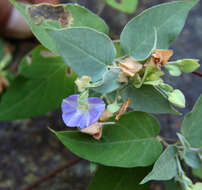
<point x="188" y="65"/>
<point x="177" y="98"/>
<point x="173" y="70"/>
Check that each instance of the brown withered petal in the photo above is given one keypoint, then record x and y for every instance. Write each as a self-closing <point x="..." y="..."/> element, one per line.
<point x="123" y="78"/>
<point x="130" y="66"/>
<point x="159" y="58"/>
<point x="98" y="135"/>
<point x="95" y="130"/>
<point x="92" y="129"/>
<point x="162" y="55"/>
<point x="123" y="109"/>
<point x="105" y="115"/>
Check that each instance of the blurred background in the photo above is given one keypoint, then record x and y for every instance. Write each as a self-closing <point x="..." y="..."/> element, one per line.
<point x="28" y="151"/>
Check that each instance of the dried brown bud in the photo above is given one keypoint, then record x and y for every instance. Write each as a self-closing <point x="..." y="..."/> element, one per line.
<point x="159" y="57"/>
<point x="123" y="109"/>
<point x="98" y="135"/>
<point x="95" y="130"/>
<point x="130" y="67"/>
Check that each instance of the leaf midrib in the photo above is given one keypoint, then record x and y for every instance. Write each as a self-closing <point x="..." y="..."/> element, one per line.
<point x="158" y="28"/>
<point x="102" y="62"/>
<point x="107" y="143"/>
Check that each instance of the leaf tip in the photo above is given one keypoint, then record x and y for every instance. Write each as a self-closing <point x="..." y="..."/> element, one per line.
<point x="53" y="131"/>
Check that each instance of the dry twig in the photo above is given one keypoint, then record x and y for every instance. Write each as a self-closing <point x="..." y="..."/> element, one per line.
<point x="53" y="173"/>
<point x="197" y="73"/>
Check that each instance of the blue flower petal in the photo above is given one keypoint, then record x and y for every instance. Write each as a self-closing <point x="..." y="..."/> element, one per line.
<point x="74" y="117"/>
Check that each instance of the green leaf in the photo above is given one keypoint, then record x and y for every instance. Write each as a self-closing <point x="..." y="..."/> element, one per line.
<point x="130" y="142"/>
<point x="191" y="126"/>
<point x="110" y="82"/>
<point x="197" y="172"/>
<point x="41" y="85"/>
<point x="85" y="50"/>
<point x="192" y="159"/>
<point x="147" y="99"/>
<point x="73" y="15"/>
<point x="165" y="168"/>
<point x="127" y="6"/>
<point x="118" y="179"/>
<point x="137" y="38"/>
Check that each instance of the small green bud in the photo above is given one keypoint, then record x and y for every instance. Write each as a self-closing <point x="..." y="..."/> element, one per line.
<point x="166" y="87"/>
<point x="173" y="70"/>
<point x="113" y="107"/>
<point x="152" y="77"/>
<point x="177" y="98"/>
<point x="188" y="65"/>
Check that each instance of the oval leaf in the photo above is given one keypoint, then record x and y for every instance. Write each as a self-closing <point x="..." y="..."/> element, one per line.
<point x="130" y="142"/>
<point x="73" y="14"/>
<point x="165" y="168"/>
<point x="137" y="38"/>
<point x="147" y="99"/>
<point x="41" y="85"/>
<point x="191" y="126"/>
<point x="109" y="82"/>
<point x="118" y="178"/>
<point x="192" y="159"/>
<point x="85" y="50"/>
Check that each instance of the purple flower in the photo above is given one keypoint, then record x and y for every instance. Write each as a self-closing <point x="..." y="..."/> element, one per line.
<point x="81" y="115"/>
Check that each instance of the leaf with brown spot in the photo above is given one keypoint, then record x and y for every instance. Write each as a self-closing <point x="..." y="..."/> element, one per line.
<point x="49" y="12"/>
<point x="48" y="16"/>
